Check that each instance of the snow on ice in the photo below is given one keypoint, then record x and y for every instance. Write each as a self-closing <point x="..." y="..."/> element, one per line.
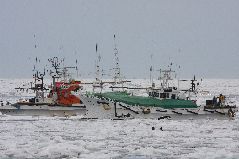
<point x="55" y="137"/>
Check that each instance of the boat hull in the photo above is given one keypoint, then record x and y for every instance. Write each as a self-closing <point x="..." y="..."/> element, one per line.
<point x="105" y="109"/>
<point x="43" y="110"/>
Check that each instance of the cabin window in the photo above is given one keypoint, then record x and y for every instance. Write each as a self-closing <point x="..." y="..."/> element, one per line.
<point x="150" y="94"/>
<point x="156" y="94"/>
<point x="168" y="90"/>
<point x="164" y="95"/>
<point x="173" y="96"/>
<point x="167" y="95"/>
<point x="153" y="94"/>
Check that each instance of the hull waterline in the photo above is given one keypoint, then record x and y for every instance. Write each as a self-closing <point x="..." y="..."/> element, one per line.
<point x="43" y="110"/>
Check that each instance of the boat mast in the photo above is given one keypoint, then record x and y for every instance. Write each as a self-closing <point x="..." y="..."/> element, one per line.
<point x="151" y="72"/>
<point x="39" y="83"/>
<point x="166" y="76"/>
<point x="97" y="82"/>
<point x="38" y="77"/>
<point x="97" y="73"/>
<point x="117" y="78"/>
<point x="55" y="74"/>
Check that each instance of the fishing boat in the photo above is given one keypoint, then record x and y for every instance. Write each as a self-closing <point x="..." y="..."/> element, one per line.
<point x="159" y="104"/>
<point x="162" y="102"/>
<point x="57" y="100"/>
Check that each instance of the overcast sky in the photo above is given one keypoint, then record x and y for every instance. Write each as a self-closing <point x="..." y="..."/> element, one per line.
<point x="202" y="36"/>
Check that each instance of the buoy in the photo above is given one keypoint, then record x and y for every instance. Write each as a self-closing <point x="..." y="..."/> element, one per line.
<point x="106" y="106"/>
<point x="231" y="113"/>
<point x="146" y="110"/>
<point x="153" y="128"/>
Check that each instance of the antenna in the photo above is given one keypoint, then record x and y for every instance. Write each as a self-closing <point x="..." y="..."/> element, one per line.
<point x="117" y="68"/>
<point x="166" y="76"/>
<point x="77" y="71"/>
<point x="35" y="46"/>
<point x="97" y="82"/>
<point x="193" y="86"/>
<point x="97" y="73"/>
<point x="35" y="68"/>
<point x="151" y="70"/>
<point x="76" y="64"/>
<point x="55" y="63"/>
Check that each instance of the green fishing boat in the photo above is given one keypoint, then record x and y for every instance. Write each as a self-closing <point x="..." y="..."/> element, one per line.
<point x="163" y="100"/>
<point x="126" y="98"/>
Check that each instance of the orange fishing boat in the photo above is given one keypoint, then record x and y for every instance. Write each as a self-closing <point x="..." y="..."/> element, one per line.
<point x="61" y="100"/>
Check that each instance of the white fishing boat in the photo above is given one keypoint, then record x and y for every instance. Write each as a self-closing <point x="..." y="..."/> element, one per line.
<point x="57" y="100"/>
<point x="163" y="101"/>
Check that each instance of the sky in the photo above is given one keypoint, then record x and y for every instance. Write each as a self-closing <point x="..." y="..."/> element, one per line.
<point x="200" y="36"/>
